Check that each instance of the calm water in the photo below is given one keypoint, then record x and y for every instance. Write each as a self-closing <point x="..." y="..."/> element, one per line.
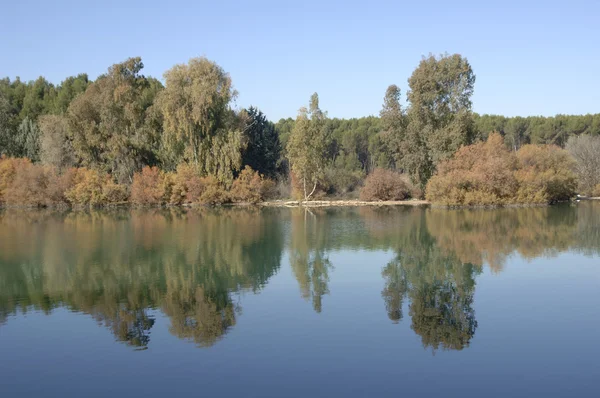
<point x="288" y="302"/>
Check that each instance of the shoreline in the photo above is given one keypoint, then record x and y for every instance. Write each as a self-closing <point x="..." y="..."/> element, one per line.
<point x="300" y="203"/>
<point x="342" y="203"/>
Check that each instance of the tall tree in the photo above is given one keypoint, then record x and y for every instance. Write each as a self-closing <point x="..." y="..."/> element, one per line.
<point x="440" y="117"/>
<point x="108" y="122"/>
<point x="198" y="123"/>
<point x="307" y="146"/>
<point x="393" y="124"/>
<point x="263" y="147"/>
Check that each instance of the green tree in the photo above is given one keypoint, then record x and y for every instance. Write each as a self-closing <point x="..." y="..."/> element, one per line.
<point x="6" y="131"/>
<point x="108" y="122"/>
<point x="68" y="90"/>
<point x="198" y="123"/>
<point x="307" y="146"/>
<point x="439" y="116"/>
<point x="393" y="126"/>
<point x="28" y="140"/>
<point x="263" y="148"/>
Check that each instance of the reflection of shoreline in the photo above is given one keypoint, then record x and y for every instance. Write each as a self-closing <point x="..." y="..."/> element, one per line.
<point x="189" y="263"/>
<point x="116" y="265"/>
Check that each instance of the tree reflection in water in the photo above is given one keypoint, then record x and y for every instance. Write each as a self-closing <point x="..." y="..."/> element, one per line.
<point x="120" y="266"/>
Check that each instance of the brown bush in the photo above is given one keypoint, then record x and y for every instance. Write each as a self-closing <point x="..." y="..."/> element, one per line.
<point x="29" y="187"/>
<point x="92" y="188"/>
<point x="596" y="191"/>
<point x="384" y="184"/>
<point x="487" y="173"/>
<point x="187" y="185"/>
<point x="251" y="187"/>
<point x="545" y="174"/>
<point x="213" y="192"/>
<point x="478" y="174"/>
<point x="8" y="171"/>
<point x="151" y="186"/>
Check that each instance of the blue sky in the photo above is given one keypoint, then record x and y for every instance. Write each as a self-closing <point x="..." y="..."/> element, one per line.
<point x="530" y="57"/>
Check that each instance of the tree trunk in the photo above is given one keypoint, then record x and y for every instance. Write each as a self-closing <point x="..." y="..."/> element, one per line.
<point x="311" y="192"/>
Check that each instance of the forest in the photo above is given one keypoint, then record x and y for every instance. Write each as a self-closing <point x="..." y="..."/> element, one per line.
<point x="129" y="138"/>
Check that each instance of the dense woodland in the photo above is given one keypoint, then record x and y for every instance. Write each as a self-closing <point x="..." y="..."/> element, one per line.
<point x="126" y="137"/>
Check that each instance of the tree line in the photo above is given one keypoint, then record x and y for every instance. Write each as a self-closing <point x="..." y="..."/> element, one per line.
<point x="122" y="122"/>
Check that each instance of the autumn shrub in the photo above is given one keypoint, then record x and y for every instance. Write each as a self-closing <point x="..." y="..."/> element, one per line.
<point x="383" y="184"/>
<point x="29" y="186"/>
<point x="33" y="185"/>
<point x="151" y="186"/>
<point x="251" y="187"/>
<point x="596" y="191"/>
<point x="478" y="174"/>
<point x="487" y="173"/>
<point x="545" y="174"/>
<point x="213" y="192"/>
<point x="92" y="188"/>
<point x="113" y="193"/>
<point x="8" y="171"/>
<point x="187" y="185"/>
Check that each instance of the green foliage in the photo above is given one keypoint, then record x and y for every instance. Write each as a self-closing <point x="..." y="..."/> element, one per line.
<point x="393" y="125"/>
<point x="6" y="128"/>
<point x="28" y="140"/>
<point x="263" y="149"/>
<point x="108" y="123"/>
<point x="537" y="129"/>
<point x="307" y="146"/>
<point x="340" y="181"/>
<point x="439" y="116"/>
<point x="197" y="122"/>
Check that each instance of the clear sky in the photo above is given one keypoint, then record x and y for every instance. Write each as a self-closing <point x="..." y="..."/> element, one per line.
<point x="530" y="57"/>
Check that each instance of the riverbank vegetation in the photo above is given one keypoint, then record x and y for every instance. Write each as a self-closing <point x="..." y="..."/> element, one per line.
<point x="130" y="138"/>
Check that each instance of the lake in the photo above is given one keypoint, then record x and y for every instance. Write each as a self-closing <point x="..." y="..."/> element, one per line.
<point x="274" y="302"/>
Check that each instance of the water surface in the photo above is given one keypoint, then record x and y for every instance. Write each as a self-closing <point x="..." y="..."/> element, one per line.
<point x="293" y="302"/>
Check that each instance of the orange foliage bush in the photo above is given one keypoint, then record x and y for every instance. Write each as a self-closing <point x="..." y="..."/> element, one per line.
<point x="23" y="183"/>
<point x="545" y="174"/>
<point x="92" y="188"/>
<point x="151" y="186"/>
<point x="384" y="184"/>
<point x="213" y="192"/>
<point x="487" y="173"/>
<point x="479" y="174"/>
<point x="187" y="185"/>
<point x="8" y="171"/>
<point x="251" y="187"/>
